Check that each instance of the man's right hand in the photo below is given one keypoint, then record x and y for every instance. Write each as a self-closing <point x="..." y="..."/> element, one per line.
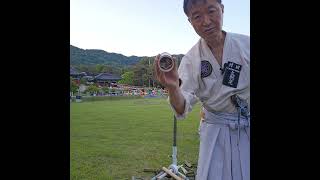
<point x="170" y="79"/>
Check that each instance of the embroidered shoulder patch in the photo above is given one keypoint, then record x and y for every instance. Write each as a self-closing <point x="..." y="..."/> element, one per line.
<point x="206" y="69"/>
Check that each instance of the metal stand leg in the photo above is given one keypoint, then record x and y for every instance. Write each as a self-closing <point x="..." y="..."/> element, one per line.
<point x="173" y="169"/>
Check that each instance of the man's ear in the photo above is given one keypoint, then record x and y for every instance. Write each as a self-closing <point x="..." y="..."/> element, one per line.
<point x="222" y="8"/>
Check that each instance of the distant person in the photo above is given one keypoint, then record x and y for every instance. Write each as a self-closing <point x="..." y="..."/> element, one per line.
<point x="202" y="117"/>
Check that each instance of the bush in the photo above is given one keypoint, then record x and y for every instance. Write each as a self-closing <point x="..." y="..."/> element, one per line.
<point x="105" y="90"/>
<point x="92" y="89"/>
<point x="73" y="86"/>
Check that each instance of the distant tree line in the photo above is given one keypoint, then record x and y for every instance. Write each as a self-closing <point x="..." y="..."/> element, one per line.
<point x="139" y="74"/>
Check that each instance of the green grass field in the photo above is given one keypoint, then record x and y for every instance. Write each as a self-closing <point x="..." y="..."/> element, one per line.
<point x="117" y="139"/>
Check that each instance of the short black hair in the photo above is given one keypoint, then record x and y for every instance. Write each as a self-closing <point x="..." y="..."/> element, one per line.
<point x="187" y="3"/>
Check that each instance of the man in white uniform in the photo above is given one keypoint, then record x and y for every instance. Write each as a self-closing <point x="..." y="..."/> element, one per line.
<point x="217" y="72"/>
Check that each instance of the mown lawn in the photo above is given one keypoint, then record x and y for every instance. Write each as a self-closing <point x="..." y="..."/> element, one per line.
<point x="117" y="139"/>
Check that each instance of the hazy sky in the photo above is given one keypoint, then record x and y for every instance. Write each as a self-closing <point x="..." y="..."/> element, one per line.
<point x="144" y="27"/>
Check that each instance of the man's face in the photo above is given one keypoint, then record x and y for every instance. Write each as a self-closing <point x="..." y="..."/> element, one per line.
<point x="206" y="18"/>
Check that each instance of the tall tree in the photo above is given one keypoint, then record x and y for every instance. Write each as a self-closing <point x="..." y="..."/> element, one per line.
<point x="127" y="78"/>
